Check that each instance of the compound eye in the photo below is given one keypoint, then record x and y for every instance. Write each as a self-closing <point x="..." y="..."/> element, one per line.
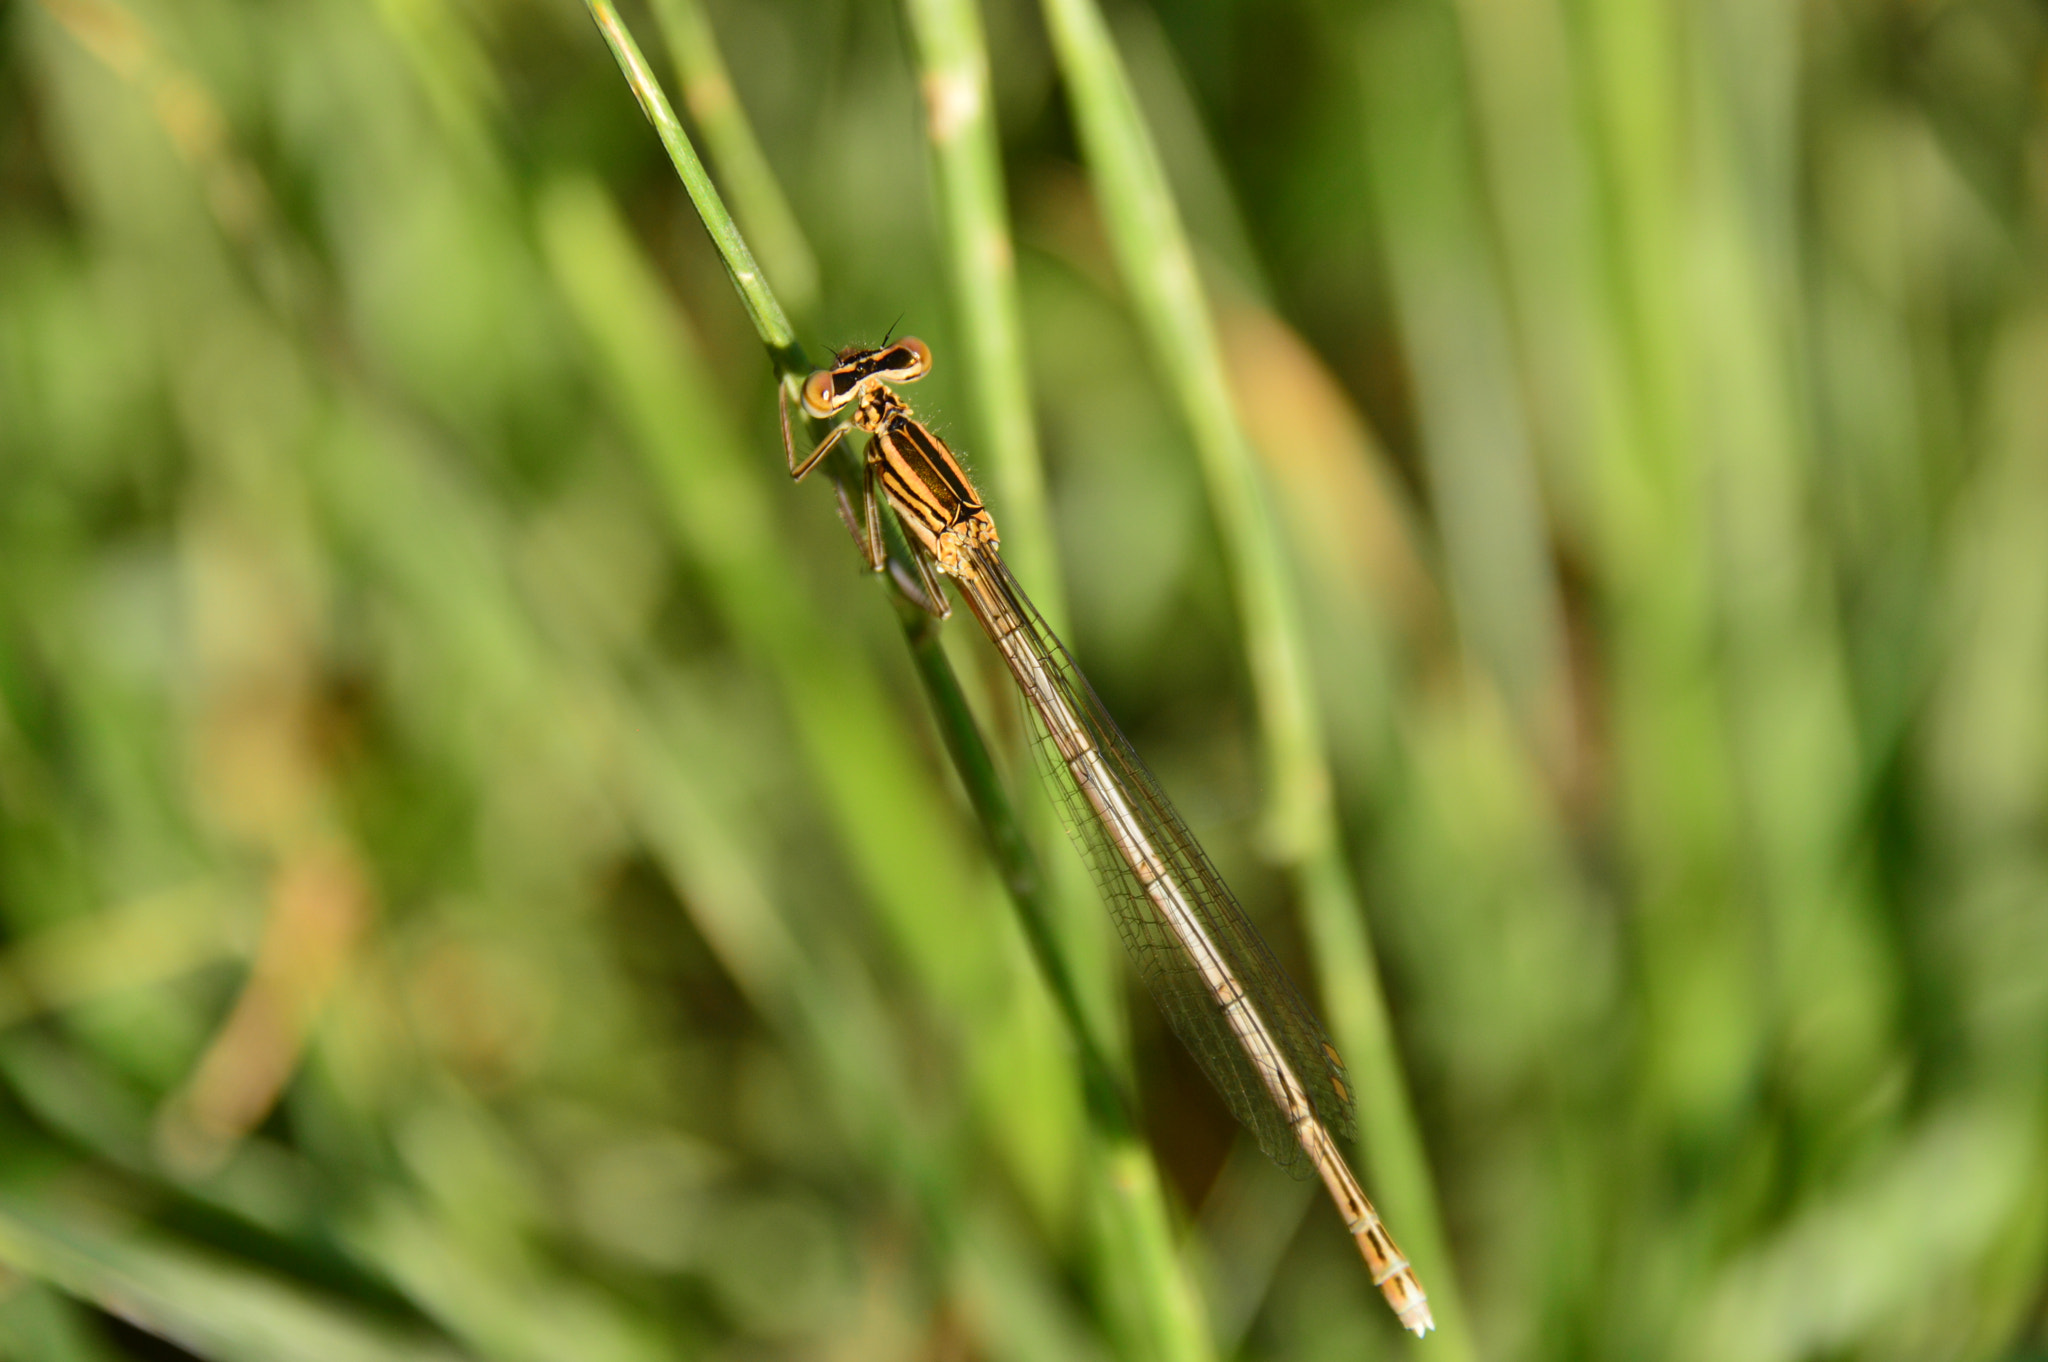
<point x="818" y="398"/>
<point x="917" y="359"/>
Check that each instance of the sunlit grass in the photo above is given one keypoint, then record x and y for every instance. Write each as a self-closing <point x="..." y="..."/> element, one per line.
<point x="478" y="874"/>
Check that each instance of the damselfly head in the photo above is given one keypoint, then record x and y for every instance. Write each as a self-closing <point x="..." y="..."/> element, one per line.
<point x="828" y="390"/>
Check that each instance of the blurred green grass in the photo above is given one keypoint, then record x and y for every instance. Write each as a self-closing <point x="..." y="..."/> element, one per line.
<point x="477" y="878"/>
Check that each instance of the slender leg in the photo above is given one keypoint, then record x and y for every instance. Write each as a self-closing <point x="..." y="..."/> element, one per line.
<point x="925" y="592"/>
<point x="865" y="525"/>
<point x="782" y="415"/>
<point x="871" y="503"/>
<point x="921" y="588"/>
<point x="798" y="471"/>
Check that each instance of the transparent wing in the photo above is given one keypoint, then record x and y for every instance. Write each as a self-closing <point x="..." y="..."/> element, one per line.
<point x="1177" y="985"/>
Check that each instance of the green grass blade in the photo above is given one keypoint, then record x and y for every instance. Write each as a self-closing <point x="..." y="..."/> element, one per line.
<point x="1475" y="433"/>
<point x="887" y="811"/>
<point x="770" y="322"/>
<point x="709" y="95"/>
<point x="215" y="1309"/>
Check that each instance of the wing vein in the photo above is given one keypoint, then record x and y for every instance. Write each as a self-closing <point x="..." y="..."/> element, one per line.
<point x="1210" y="971"/>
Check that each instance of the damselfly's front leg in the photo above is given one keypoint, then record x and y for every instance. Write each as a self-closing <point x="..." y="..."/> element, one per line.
<point x="864" y="525"/>
<point x="798" y="471"/>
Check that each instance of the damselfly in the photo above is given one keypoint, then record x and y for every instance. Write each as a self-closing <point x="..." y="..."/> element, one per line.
<point x="1206" y="965"/>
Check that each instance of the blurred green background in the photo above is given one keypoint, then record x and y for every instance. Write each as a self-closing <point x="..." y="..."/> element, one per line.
<point x="477" y="875"/>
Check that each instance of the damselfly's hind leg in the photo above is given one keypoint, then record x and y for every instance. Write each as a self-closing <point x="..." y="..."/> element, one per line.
<point x="918" y="582"/>
<point x="923" y="590"/>
<point x="865" y="525"/>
